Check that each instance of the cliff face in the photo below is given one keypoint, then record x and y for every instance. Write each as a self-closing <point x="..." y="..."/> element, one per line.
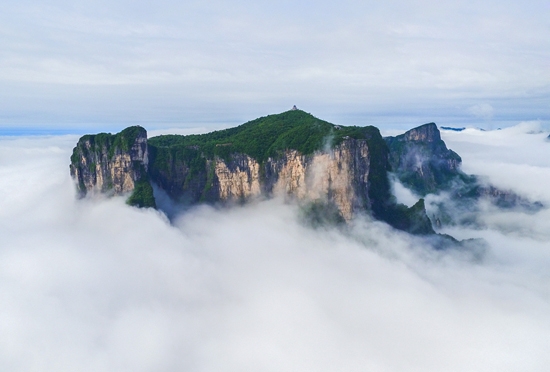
<point x="342" y="170"/>
<point x="422" y="161"/>
<point x="110" y="164"/>
<point x="240" y="180"/>
<point x="339" y="176"/>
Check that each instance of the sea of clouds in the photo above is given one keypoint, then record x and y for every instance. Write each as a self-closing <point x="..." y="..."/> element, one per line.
<point x="95" y="285"/>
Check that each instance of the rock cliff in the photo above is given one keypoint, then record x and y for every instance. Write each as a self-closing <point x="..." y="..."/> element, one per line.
<point x="422" y="161"/>
<point x="112" y="164"/>
<point x="293" y="155"/>
<point x="340" y="176"/>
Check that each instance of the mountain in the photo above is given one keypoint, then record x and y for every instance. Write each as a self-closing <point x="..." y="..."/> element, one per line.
<point x="422" y="161"/>
<point x="331" y="170"/>
<point x="114" y="165"/>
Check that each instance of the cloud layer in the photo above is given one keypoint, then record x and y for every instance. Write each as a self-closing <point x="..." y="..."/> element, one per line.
<point x="111" y="62"/>
<point x="95" y="285"/>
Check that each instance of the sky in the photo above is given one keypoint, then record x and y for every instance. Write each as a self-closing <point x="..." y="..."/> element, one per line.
<point x="92" y="66"/>
<point x="96" y="285"/>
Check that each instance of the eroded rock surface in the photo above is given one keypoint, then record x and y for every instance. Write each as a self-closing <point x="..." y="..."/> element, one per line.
<point x="112" y="164"/>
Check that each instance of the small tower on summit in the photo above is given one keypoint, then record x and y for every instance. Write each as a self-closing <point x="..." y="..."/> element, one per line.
<point x="294" y="108"/>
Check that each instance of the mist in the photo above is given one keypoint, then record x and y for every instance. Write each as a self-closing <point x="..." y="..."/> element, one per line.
<point x="94" y="284"/>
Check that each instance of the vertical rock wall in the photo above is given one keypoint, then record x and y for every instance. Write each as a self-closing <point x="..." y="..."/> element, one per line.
<point x="240" y="181"/>
<point x="339" y="176"/>
<point x="422" y="161"/>
<point x="111" y="164"/>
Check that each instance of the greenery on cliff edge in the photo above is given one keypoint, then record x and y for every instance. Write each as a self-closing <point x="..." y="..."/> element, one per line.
<point x="260" y="139"/>
<point x="142" y="196"/>
<point x="106" y="143"/>
<point x="264" y="137"/>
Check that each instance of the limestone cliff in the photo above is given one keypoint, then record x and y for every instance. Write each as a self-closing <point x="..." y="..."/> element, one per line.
<point x="293" y="155"/>
<point x="241" y="181"/>
<point x="339" y="176"/>
<point x="111" y="164"/>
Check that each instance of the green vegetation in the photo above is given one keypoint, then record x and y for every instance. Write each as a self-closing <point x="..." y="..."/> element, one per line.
<point x="264" y="138"/>
<point x="320" y="213"/>
<point x="142" y="196"/>
<point x="260" y="139"/>
<point x="208" y="185"/>
<point x="124" y="140"/>
<point x="164" y="156"/>
<point x="413" y="220"/>
<point x="180" y="163"/>
<point x="106" y="142"/>
<point x="379" y="184"/>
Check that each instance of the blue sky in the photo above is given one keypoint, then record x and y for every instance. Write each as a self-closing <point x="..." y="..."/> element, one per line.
<point x="98" y="65"/>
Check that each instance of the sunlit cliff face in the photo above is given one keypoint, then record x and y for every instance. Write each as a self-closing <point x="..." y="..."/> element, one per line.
<point x="93" y="284"/>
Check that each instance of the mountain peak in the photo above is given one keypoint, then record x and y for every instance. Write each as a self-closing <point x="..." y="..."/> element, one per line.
<point x="422" y="160"/>
<point x="425" y="133"/>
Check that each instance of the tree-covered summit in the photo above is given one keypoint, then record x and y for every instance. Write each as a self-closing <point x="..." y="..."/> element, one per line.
<point x="266" y="136"/>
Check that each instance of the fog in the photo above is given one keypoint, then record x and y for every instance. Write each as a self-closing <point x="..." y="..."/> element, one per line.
<point x="88" y="285"/>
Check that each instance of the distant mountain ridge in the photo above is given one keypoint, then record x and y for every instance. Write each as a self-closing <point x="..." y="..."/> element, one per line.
<point x="342" y="170"/>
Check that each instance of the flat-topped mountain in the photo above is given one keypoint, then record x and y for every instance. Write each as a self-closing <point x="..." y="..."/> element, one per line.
<point x="341" y="170"/>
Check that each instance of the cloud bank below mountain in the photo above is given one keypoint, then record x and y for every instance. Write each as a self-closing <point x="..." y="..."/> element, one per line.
<point x="95" y="285"/>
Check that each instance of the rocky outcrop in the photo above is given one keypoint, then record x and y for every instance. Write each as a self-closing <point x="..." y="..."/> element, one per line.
<point x="422" y="161"/>
<point x="477" y="190"/>
<point x="242" y="181"/>
<point x="339" y="176"/>
<point x="111" y="164"/>
<point x="344" y="179"/>
<point x="413" y="219"/>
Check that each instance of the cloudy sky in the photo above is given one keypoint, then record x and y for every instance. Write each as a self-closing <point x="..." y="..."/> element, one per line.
<point x="101" y="65"/>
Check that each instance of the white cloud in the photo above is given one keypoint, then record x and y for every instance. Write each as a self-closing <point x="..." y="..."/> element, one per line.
<point x="96" y="285"/>
<point x="403" y="194"/>
<point x="482" y="110"/>
<point x="157" y="63"/>
<point x="511" y="158"/>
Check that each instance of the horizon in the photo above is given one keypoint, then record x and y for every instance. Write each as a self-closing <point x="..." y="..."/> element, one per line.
<point x="198" y="127"/>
